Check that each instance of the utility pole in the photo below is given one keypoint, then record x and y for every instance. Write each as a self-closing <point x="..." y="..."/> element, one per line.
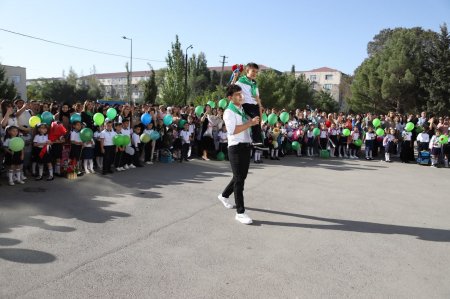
<point x="223" y="65"/>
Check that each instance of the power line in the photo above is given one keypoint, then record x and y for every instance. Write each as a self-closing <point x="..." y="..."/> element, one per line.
<point x="76" y="47"/>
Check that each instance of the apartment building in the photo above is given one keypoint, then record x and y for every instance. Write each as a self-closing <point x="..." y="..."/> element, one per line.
<point x="324" y="78"/>
<point x="18" y="76"/>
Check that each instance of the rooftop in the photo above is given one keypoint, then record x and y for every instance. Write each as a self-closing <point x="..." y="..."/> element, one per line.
<point x="321" y="70"/>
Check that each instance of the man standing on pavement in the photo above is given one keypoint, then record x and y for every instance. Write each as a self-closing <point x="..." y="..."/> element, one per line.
<point x="239" y="147"/>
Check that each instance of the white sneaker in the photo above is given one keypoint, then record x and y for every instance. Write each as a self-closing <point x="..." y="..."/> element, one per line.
<point x="126" y="167"/>
<point x="149" y="162"/>
<point x="243" y="218"/>
<point x="20" y="182"/>
<point x="340" y="156"/>
<point x="23" y="178"/>
<point x="11" y="183"/>
<point x="118" y="169"/>
<point x="131" y="166"/>
<point x="92" y="170"/>
<point x="226" y="203"/>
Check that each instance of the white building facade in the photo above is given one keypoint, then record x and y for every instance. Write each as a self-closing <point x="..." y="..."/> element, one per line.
<point x="326" y="79"/>
<point x="18" y="76"/>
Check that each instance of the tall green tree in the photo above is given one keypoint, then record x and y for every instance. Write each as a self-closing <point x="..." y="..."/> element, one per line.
<point x="7" y="89"/>
<point x="199" y="76"/>
<point x="325" y="102"/>
<point x="438" y="85"/>
<point x="150" y="88"/>
<point x="172" y="88"/>
<point x="394" y="75"/>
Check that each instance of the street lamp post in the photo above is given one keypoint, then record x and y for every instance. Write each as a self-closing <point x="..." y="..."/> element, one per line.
<point x="185" y="75"/>
<point x="131" y="70"/>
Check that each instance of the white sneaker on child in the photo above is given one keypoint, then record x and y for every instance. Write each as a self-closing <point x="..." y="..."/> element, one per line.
<point x="244" y="218"/>
<point x="149" y="162"/>
<point x="125" y="167"/>
<point x="226" y="203"/>
<point x="131" y="166"/>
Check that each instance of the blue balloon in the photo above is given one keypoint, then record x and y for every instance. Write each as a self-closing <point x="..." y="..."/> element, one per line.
<point x="146" y="118"/>
<point x="155" y="135"/>
<point x="75" y="117"/>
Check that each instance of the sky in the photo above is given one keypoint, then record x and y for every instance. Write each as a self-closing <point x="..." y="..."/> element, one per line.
<point x="278" y="34"/>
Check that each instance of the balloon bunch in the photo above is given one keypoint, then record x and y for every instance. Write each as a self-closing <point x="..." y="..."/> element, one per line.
<point x="236" y="69"/>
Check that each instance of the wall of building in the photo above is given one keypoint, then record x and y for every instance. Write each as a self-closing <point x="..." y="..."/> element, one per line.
<point x="329" y="81"/>
<point x="18" y="76"/>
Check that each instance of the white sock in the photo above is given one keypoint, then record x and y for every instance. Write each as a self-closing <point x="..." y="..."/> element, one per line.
<point x="10" y="175"/>
<point x="41" y="169"/>
<point x="91" y="164"/>
<point x="387" y="156"/>
<point x="85" y="165"/>
<point x="99" y="162"/>
<point x="50" y="171"/>
<point x="17" y="172"/>
<point x="276" y="153"/>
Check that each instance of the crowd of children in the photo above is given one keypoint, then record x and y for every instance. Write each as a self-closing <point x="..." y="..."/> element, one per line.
<point x="189" y="134"/>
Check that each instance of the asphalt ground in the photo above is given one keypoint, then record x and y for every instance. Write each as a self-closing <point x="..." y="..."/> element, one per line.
<point x="322" y="229"/>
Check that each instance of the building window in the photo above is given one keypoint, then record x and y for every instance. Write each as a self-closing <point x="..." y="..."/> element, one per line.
<point x="15" y="79"/>
<point x="312" y="78"/>
<point x="328" y="77"/>
<point x="327" y="86"/>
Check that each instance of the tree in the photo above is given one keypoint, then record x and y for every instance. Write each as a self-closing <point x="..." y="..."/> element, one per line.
<point x="199" y="76"/>
<point x="438" y="85"/>
<point x="7" y="89"/>
<point x="172" y="88"/>
<point x="325" y="102"/>
<point x="150" y="88"/>
<point x="394" y="75"/>
<point x="72" y="77"/>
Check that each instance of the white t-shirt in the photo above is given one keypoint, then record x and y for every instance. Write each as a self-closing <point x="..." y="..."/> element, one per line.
<point x="107" y="137"/>
<point x="148" y="131"/>
<point x="310" y="134"/>
<point x="97" y="135"/>
<point x="231" y="120"/>
<point x="406" y="136"/>
<point x="24" y="118"/>
<point x="247" y="93"/>
<point x="40" y="139"/>
<point x="434" y="142"/>
<point x="323" y="134"/>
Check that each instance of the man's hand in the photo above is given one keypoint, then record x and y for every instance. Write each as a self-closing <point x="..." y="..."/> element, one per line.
<point x="254" y="121"/>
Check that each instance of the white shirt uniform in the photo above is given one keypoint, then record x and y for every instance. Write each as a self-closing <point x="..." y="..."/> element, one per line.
<point x="423" y="137"/>
<point x="232" y="120"/>
<point x="406" y="136"/>
<point x="24" y="118"/>
<point x="185" y="136"/>
<point x="148" y="131"/>
<point x="40" y="139"/>
<point x="135" y="139"/>
<point x="247" y="93"/>
<point x="370" y="136"/>
<point x="223" y="137"/>
<point x="107" y="137"/>
<point x="75" y="136"/>
<point x="323" y="134"/>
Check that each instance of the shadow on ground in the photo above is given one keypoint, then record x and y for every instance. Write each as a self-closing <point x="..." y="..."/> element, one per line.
<point x="427" y="234"/>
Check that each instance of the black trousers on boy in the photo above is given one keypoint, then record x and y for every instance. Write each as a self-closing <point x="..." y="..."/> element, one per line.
<point x="108" y="158"/>
<point x="252" y="110"/>
<point x="239" y="156"/>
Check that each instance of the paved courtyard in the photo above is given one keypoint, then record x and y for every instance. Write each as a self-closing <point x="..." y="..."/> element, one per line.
<point x="322" y="229"/>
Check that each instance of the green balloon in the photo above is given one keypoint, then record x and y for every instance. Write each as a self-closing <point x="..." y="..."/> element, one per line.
<point x="273" y="118"/>
<point x="409" y="127"/>
<point x="16" y="144"/>
<point x="117" y="140"/>
<point x="443" y="139"/>
<point x="181" y="123"/>
<point x="99" y="119"/>
<point x="199" y="110"/>
<point x="380" y="132"/>
<point x="284" y="117"/>
<point x="125" y="140"/>
<point x="346" y="132"/>
<point x="295" y="145"/>
<point x="220" y="156"/>
<point x="376" y="122"/>
<point x="168" y="119"/>
<point x="111" y="113"/>
<point x="223" y="103"/>
<point x="86" y="134"/>
<point x="47" y="117"/>
<point x="419" y="129"/>
<point x="357" y="142"/>
<point x="316" y="131"/>
<point x="145" y="138"/>
<point x="264" y="117"/>
<point x="212" y="104"/>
